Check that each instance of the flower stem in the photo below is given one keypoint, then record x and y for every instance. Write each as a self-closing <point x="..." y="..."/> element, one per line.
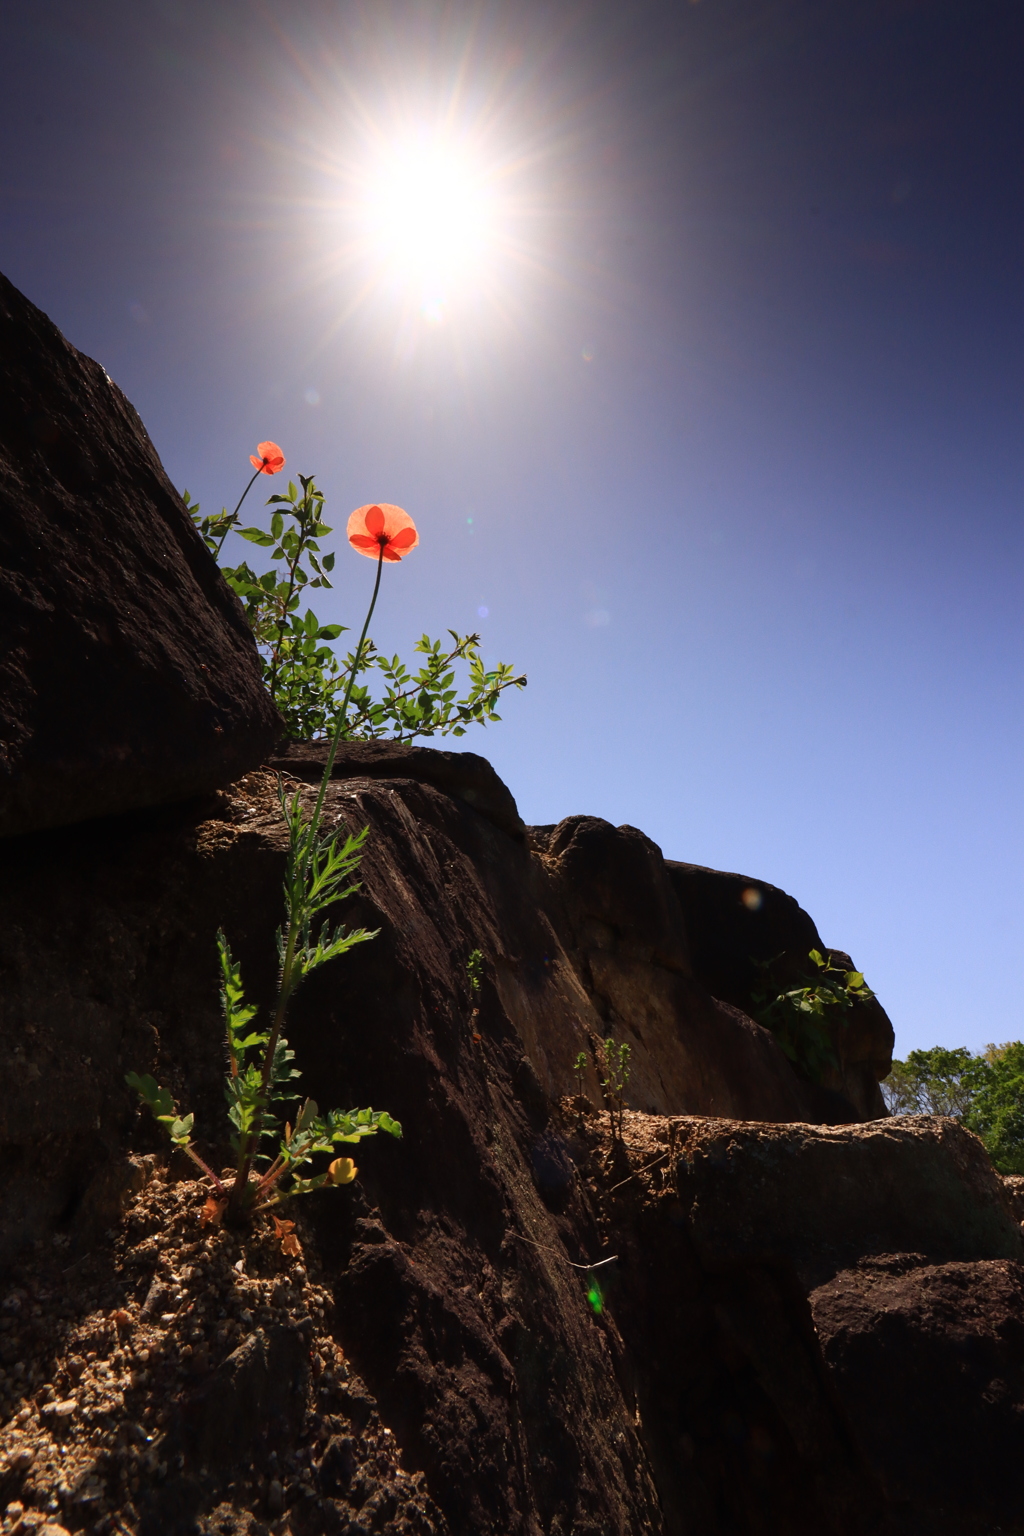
<point x="345" y="702"/>
<point x="296" y="899"/>
<point x="234" y="516"/>
<point x="218" y="1185"/>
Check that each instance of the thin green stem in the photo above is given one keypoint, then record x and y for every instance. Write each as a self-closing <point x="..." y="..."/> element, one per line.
<point x="345" y="702"/>
<point x="234" y="516"/>
<point x="218" y="1185"/>
<point x="283" y="610"/>
<point x="296" y="905"/>
<point x="271" y="1176"/>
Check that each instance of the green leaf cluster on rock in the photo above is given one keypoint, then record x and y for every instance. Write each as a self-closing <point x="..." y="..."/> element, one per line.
<point x="800" y="1016"/>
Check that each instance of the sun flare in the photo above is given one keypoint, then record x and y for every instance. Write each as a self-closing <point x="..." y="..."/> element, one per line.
<point x="430" y="219"/>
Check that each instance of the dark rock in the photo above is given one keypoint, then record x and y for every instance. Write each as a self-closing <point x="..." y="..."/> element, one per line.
<point x="463" y="775"/>
<point x="128" y="675"/>
<point x="735" y="923"/>
<point x="614" y="883"/>
<point x="615" y="910"/>
<point x="1013" y="1183"/>
<point x="338" y="1465"/>
<point x="818" y="1198"/>
<point x="737" y="926"/>
<point x="740" y="1423"/>
<point x="107" y="941"/>
<point x="928" y="1364"/>
<point x="697" y="1397"/>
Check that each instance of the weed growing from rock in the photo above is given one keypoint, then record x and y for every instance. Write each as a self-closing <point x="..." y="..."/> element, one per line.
<point x="799" y="1017"/>
<point x="270" y="1159"/>
<point x="616" y="1064"/>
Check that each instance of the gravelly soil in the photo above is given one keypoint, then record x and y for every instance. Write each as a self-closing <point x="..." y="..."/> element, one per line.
<point x="183" y="1378"/>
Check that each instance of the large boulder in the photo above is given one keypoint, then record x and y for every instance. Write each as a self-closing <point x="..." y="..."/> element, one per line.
<point x="462" y="775"/>
<point x="680" y="1386"/>
<point x="927" y="1360"/>
<point x="861" y="1287"/>
<point x="819" y="1198"/>
<point x="128" y="675"/>
<point x="743" y="932"/>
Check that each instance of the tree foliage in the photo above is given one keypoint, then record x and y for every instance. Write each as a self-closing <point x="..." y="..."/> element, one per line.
<point x="985" y="1091"/>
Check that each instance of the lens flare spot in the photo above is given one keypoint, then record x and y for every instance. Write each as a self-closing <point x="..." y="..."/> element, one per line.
<point x="752" y="899"/>
<point x="595" y="1297"/>
<point x="312" y="396"/>
<point x="482" y="612"/>
<point x="429" y="213"/>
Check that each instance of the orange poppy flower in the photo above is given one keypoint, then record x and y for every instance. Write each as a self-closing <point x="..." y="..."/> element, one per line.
<point x="270" y="460"/>
<point x="380" y="526"/>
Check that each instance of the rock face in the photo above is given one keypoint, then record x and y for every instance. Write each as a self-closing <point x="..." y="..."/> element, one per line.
<point x="738" y="925"/>
<point x="128" y="676"/>
<point x="761" y="1308"/>
<point x="680" y="1387"/>
<point x="942" y="1426"/>
<point x="819" y="1198"/>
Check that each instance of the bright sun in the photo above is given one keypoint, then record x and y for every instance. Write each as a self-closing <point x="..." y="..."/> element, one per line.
<point x="429" y="216"/>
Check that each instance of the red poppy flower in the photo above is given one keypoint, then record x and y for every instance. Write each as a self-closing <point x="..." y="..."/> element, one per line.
<point x="270" y="460"/>
<point x="380" y="526"/>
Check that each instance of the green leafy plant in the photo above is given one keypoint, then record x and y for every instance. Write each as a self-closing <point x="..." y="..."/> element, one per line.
<point x="997" y="1112"/>
<point x="270" y="1156"/>
<point x="300" y="667"/>
<point x="800" y="1016"/>
<point x="475" y="976"/>
<point x="271" y="1159"/>
<point x="579" y="1066"/>
<point x="616" y="1064"/>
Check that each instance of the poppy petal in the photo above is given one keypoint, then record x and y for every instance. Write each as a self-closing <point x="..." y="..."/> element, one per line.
<point x="404" y="539"/>
<point x="374" y="520"/>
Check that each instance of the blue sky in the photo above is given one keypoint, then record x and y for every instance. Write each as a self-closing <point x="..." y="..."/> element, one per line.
<point x="734" y="406"/>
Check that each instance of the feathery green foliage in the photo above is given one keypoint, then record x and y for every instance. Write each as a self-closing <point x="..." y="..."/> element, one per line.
<point x="271" y="1156"/>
